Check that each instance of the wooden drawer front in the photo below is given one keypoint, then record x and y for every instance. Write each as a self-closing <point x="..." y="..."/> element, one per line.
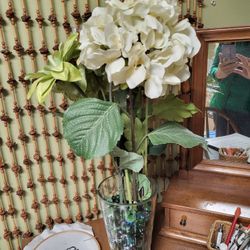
<point x="190" y="222"/>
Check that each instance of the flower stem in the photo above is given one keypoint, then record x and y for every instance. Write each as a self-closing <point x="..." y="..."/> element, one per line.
<point x="121" y="188"/>
<point x="146" y="139"/>
<point x="128" y="187"/>
<point x="132" y="127"/>
<point x="103" y="94"/>
<point x="120" y="181"/>
<point x="110" y="91"/>
<point x="132" y="117"/>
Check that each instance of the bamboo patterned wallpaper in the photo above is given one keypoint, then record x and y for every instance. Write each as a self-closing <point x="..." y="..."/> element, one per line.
<point x="42" y="182"/>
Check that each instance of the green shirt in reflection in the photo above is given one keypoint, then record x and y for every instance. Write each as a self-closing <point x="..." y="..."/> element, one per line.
<point x="234" y="90"/>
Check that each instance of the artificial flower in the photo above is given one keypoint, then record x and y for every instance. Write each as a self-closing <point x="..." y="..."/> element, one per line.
<point x="134" y="39"/>
<point x="135" y="44"/>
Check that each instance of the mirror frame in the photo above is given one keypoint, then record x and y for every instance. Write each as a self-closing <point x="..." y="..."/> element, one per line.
<point x="198" y="84"/>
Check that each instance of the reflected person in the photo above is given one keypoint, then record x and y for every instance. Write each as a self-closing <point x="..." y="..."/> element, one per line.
<point x="233" y="97"/>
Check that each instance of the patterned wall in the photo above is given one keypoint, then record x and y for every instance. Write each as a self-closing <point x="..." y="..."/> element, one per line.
<point x="42" y="182"/>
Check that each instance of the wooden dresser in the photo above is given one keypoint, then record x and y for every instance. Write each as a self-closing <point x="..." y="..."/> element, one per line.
<point x="195" y="199"/>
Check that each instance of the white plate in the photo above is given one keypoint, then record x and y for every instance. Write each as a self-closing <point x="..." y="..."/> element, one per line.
<point x="69" y="240"/>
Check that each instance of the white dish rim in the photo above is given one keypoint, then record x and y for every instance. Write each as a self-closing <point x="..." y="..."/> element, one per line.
<point x="69" y="231"/>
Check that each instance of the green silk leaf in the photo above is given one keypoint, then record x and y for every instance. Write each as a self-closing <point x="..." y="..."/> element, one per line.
<point x="139" y="133"/>
<point x="173" y="109"/>
<point x="43" y="88"/>
<point x="144" y="187"/>
<point x="62" y="75"/>
<point x="33" y="87"/>
<point x="83" y="82"/>
<point x="45" y="81"/>
<point x="55" y="63"/>
<point x="92" y="127"/>
<point x="74" y="74"/>
<point x="58" y="69"/>
<point x="175" y="133"/>
<point x="69" y="47"/>
<point x="70" y="73"/>
<point x="128" y="160"/>
<point x="36" y="75"/>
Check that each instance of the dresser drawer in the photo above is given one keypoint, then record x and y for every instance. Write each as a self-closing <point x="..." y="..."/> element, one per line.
<point x="190" y="222"/>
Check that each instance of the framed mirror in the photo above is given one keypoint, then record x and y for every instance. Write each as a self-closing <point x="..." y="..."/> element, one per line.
<point x="220" y="88"/>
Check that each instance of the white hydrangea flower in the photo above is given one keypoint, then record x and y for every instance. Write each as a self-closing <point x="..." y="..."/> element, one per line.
<point x="100" y="40"/>
<point x="134" y="73"/>
<point x="185" y="33"/>
<point x="153" y="85"/>
<point x="140" y="42"/>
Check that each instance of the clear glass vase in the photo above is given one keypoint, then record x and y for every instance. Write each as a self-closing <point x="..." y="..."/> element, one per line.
<point x="128" y="226"/>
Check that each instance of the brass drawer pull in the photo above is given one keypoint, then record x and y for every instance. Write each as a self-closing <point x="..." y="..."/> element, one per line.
<point x="183" y="221"/>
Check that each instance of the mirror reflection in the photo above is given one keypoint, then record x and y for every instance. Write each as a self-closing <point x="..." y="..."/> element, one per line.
<point x="227" y="118"/>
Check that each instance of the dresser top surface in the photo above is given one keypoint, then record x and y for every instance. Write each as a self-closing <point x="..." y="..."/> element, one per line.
<point x="200" y="196"/>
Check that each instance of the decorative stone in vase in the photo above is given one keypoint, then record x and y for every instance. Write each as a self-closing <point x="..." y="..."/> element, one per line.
<point x="128" y="226"/>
